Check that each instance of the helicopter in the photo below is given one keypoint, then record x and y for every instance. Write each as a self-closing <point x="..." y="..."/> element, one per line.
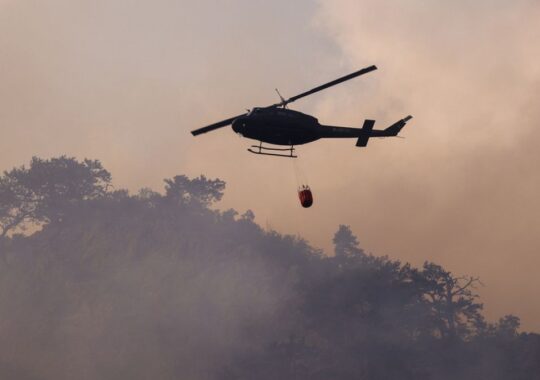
<point x="278" y="125"/>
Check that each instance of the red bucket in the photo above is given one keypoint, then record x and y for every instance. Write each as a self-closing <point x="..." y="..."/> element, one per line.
<point x="306" y="198"/>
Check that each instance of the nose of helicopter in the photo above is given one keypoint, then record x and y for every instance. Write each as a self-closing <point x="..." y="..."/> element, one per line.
<point x="239" y="124"/>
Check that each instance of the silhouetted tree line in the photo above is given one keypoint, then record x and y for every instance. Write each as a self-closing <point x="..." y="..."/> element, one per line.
<point x="96" y="283"/>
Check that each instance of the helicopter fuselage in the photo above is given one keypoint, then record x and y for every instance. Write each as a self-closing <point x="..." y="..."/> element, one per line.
<point x="281" y="126"/>
<point x="277" y="126"/>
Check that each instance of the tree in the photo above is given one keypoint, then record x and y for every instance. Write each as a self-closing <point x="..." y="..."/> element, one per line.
<point x="508" y="326"/>
<point x="452" y="301"/>
<point x="197" y="191"/>
<point x="44" y="191"/>
<point x="346" y="244"/>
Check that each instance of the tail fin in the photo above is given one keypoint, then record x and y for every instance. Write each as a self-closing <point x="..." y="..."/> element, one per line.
<point x="366" y="133"/>
<point x="395" y="128"/>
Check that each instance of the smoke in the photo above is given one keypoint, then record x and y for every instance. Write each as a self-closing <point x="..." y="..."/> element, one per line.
<point x="147" y="285"/>
<point x="126" y="81"/>
<point x="461" y="187"/>
<point x="124" y="296"/>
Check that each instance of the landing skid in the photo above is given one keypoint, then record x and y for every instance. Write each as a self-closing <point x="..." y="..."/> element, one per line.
<point x="260" y="149"/>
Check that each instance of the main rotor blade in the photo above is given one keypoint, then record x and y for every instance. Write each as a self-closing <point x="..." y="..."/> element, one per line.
<point x="217" y="125"/>
<point x="329" y="84"/>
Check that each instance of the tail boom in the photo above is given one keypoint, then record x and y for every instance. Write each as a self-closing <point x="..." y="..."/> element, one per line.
<point x="362" y="134"/>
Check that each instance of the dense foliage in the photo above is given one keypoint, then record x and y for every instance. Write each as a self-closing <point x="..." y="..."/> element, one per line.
<point x="119" y="286"/>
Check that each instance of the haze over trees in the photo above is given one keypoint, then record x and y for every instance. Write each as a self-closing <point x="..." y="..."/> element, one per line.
<point x="43" y="192"/>
<point x="97" y="283"/>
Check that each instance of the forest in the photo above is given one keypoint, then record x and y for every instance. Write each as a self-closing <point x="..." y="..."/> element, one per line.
<point x="100" y="283"/>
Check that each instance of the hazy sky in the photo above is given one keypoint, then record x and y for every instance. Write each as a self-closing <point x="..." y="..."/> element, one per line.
<point x="125" y="81"/>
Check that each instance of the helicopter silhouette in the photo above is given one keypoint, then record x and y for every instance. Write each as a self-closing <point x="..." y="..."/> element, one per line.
<point x="278" y="125"/>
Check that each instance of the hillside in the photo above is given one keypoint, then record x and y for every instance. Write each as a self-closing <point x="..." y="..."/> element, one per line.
<point x="161" y="285"/>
